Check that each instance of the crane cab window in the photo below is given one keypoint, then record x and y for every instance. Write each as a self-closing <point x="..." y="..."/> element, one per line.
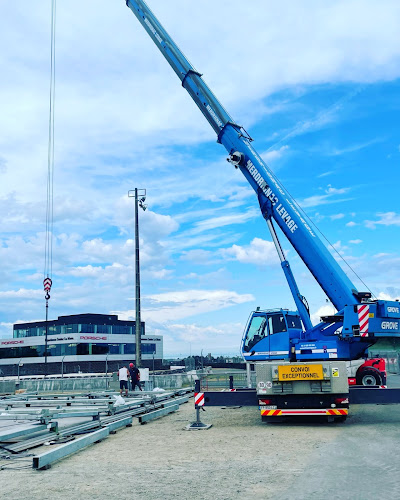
<point x="293" y="321"/>
<point x="256" y="332"/>
<point x="276" y="324"/>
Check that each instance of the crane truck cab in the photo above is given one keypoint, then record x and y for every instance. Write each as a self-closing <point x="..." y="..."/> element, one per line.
<point x="270" y="333"/>
<point x="275" y="334"/>
<point x="272" y="340"/>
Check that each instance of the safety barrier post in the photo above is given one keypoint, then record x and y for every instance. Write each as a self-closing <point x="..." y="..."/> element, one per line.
<point x="198" y="404"/>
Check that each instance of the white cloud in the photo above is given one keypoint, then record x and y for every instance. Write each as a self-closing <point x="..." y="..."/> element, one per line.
<point x="386" y="296"/>
<point x="6" y="330"/>
<point x="325" y="174"/>
<point x="22" y="293"/>
<point x="198" y="334"/>
<point x="98" y="249"/>
<point x="273" y="155"/>
<point x="198" y="256"/>
<point x="386" y="219"/>
<point x="326" y="310"/>
<point x="321" y="120"/>
<point x="152" y="225"/>
<point x="259" y="252"/>
<point x="115" y="273"/>
<point x="381" y="255"/>
<point x="161" y="274"/>
<point x="182" y="339"/>
<point x="224" y="220"/>
<point x="223" y="297"/>
<point x="351" y="224"/>
<point x="340" y="249"/>
<point x="355" y="242"/>
<point x="331" y="195"/>
<point x="336" y="216"/>
<point x="171" y="306"/>
<point x="354" y="147"/>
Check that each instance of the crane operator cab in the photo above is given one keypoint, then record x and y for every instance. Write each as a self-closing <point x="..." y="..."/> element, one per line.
<point x="269" y="334"/>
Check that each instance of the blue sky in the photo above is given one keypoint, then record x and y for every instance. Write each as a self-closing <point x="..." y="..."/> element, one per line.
<point x="316" y="85"/>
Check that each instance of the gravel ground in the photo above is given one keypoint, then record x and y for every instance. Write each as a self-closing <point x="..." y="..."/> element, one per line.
<point x="239" y="457"/>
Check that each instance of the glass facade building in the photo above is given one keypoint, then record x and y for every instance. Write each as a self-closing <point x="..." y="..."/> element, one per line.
<point x="108" y="324"/>
<point x="36" y="351"/>
<point x="81" y="342"/>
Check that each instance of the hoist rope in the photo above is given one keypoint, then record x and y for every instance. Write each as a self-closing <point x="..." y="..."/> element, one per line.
<point x="48" y="258"/>
<point x="329" y="243"/>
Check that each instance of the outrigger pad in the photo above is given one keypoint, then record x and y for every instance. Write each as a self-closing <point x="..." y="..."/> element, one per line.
<point x="197" y="426"/>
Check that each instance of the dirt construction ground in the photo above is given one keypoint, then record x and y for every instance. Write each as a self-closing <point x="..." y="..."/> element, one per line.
<point x="239" y="457"/>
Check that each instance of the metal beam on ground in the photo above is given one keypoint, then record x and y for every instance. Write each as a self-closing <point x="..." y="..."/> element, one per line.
<point x="21" y="430"/>
<point x="179" y="401"/>
<point x="143" y="419"/>
<point x="44" y="460"/>
<point x="117" y="424"/>
<point x="88" y="413"/>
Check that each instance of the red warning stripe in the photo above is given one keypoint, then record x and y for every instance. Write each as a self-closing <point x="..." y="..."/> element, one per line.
<point x="322" y="411"/>
<point x="303" y="412"/>
<point x="199" y="398"/>
<point x="363" y="319"/>
<point x="47" y="284"/>
<point x="271" y="413"/>
<point x="338" y="411"/>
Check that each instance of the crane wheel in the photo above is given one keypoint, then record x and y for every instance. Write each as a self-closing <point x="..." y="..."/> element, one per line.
<point x="369" y="378"/>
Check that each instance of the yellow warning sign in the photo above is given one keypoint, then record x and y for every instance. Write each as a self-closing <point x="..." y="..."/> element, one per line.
<point x="286" y="373"/>
<point x="335" y="372"/>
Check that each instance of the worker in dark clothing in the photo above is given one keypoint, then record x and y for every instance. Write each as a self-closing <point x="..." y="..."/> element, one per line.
<point x="135" y="376"/>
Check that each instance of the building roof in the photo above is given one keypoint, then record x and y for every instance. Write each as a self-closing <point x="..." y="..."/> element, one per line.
<point x="87" y="318"/>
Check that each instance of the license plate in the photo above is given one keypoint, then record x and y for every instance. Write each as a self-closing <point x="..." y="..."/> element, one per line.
<point x="287" y="373"/>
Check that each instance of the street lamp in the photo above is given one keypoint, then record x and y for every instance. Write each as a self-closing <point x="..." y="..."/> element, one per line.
<point x="140" y="198"/>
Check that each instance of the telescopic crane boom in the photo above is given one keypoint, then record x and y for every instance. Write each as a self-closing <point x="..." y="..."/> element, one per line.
<point x="274" y="199"/>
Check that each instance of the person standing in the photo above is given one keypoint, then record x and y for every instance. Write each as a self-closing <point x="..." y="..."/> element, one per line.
<point x="135" y="376"/>
<point x="123" y="376"/>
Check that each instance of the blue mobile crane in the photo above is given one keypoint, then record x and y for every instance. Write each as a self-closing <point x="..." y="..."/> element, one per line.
<point x="300" y="368"/>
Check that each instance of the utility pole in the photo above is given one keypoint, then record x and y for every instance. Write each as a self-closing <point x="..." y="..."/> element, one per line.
<point x="140" y="197"/>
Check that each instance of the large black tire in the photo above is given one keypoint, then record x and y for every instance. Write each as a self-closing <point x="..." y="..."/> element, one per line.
<point x="369" y="378"/>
